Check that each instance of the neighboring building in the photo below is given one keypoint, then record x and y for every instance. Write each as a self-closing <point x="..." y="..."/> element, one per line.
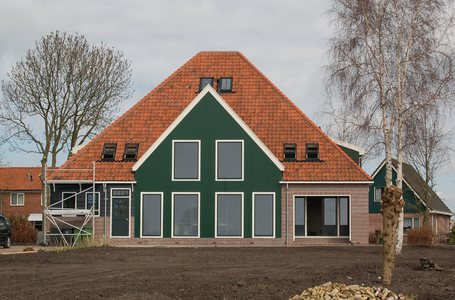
<point x="20" y="193"/>
<point x="413" y="195"/>
<point x="215" y="155"/>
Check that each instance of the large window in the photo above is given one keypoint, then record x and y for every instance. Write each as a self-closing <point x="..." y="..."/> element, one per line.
<point x="229" y="160"/>
<point x="185" y="215"/>
<point x="89" y="202"/>
<point x="229" y="215"/>
<point x="151" y="213"/>
<point x="186" y="160"/>
<point x="17" y="199"/>
<point x="69" y="200"/>
<point x="263" y="215"/>
<point x="321" y="216"/>
<point x="409" y="223"/>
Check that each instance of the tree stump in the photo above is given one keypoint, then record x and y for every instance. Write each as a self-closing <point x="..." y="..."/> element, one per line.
<point x="391" y="206"/>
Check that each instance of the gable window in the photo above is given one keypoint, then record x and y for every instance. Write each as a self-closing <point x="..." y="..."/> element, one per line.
<point x="185" y="215"/>
<point x="204" y="82"/>
<point x="130" y="152"/>
<point x="89" y="202"/>
<point x="263" y="215"/>
<point x="69" y="200"/>
<point x="312" y="151"/>
<point x="225" y="85"/>
<point x="378" y="194"/>
<point x="229" y="160"/>
<point x="229" y="215"/>
<point x="109" y="152"/>
<point x="186" y="160"/>
<point x="17" y="199"/>
<point x="290" y="152"/>
<point x="151" y="214"/>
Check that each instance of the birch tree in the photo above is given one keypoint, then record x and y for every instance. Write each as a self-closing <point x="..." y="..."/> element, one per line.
<point x="388" y="60"/>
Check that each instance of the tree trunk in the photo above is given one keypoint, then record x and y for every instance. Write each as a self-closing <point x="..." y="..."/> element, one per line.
<point x="391" y="206"/>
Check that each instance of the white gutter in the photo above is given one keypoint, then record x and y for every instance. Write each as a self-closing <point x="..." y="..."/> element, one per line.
<point x="287" y="214"/>
<point x="89" y="181"/>
<point x="441" y="213"/>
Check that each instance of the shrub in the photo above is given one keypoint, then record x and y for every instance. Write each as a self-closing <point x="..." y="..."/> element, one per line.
<point x="22" y="230"/>
<point x="421" y="236"/>
<point x="451" y="235"/>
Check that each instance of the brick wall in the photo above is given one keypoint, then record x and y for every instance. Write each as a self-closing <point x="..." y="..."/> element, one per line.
<point x="32" y="204"/>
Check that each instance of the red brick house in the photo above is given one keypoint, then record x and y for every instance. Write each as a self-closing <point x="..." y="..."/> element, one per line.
<point x="20" y="193"/>
<point x="216" y="155"/>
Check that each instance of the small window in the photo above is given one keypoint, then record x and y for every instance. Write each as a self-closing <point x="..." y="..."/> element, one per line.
<point x="130" y="152"/>
<point x="263" y="215"/>
<point x="204" y="82"/>
<point x="109" y="152"/>
<point x="290" y="152"/>
<point x="17" y="199"/>
<point x="89" y="202"/>
<point x="409" y="223"/>
<point x="378" y="194"/>
<point x="229" y="160"/>
<point x="186" y="160"/>
<point x="69" y="200"/>
<point x="312" y="151"/>
<point x="225" y="85"/>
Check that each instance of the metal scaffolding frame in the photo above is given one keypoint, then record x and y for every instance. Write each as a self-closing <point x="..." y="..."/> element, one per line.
<point x="56" y="215"/>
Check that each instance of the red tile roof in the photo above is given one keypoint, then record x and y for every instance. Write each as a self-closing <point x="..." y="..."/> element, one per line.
<point x="20" y="179"/>
<point x="261" y="105"/>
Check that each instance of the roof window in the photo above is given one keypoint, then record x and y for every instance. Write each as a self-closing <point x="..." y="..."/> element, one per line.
<point x="290" y="152"/>
<point x="225" y="85"/>
<point x="108" y="152"/>
<point x="312" y="151"/>
<point x="204" y="82"/>
<point x="131" y="150"/>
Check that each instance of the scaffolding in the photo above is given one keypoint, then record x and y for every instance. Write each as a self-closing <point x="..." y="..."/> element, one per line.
<point x="57" y="214"/>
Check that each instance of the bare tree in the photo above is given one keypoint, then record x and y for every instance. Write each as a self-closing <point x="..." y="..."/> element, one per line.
<point x="389" y="59"/>
<point x="428" y="149"/>
<point x="63" y="93"/>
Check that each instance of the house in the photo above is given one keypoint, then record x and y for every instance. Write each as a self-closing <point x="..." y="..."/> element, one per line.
<point x="413" y="195"/>
<point x="20" y="193"/>
<point x="215" y="155"/>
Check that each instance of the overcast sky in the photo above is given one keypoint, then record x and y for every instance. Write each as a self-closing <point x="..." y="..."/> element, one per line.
<point x="285" y="40"/>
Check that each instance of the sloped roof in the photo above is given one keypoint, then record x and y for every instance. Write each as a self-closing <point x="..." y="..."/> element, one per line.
<point x="261" y="105"/>
<point x="417" y="183"/>
<point x="20" y="179"/>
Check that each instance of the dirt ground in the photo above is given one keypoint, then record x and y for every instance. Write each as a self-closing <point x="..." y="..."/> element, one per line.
<point x="217" y="272"/>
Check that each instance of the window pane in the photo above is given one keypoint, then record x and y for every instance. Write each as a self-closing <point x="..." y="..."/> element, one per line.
<point x="13" y="199"/>
<point x="407" y="224"/>
<point x="344" y="217"/>
<point x="229" y="160"/>
<point x="330" y="208"/>
<point x="151" y="215"/>
<point x="299" y="216"/>
<point x="186" y="160"/>
<point x="90" y="201"/>
<point x="229" y="215"/>
<point x="263" y="215"/>
<point x="70" y="201"/>
<point x="20" y="199"/>
<point x="185" y="215"/>
<point x="416" y="222"/>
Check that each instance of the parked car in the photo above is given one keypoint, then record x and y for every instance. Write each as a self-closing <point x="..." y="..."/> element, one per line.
<point x="5" y="232"/>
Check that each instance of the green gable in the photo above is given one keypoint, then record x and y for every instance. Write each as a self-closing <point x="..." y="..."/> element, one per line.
<point x="379" y="181"/>
<point x="207" y="122"/>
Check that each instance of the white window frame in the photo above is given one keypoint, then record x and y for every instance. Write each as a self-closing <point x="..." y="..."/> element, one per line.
<point x="242" y="218"/>
<point x="17" y="195"/>
<point x="198" y="215"/>
<point x="216" y="159"/>
<point x="142" y="216"/>
<point x="337" y="214"/>
<point x="75" y="199"/>
<point x="95" y="211"/>
<point x="129" y="212"/>
<point x="375" y="191"/>
<point x="199" y="160"/>
<point x="274" y="214"/>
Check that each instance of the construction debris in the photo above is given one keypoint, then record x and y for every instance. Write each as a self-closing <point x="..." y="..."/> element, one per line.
<point x="329" y="291"/>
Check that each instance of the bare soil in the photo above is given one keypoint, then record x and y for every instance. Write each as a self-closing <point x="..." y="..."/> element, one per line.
<point x="217" y="272"/>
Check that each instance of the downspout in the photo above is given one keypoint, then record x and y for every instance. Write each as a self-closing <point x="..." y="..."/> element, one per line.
<point x="1" y="203"/>
<point x="105" y="211"/>
<point x="287" y="214"/>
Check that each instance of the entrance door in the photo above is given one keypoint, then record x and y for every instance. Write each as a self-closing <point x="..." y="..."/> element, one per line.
<point x="120" y="213"/>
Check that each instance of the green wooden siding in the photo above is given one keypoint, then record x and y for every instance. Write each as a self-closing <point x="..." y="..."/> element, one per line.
<point x="379" y="181"/>
<point x="208" y="122"/>
<point x="354" y="155"/>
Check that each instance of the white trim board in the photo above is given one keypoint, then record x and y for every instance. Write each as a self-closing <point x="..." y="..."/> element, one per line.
<point x="188" y="109"/>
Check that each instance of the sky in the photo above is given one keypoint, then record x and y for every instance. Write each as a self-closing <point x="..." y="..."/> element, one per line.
<point x="285" y="40"/>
